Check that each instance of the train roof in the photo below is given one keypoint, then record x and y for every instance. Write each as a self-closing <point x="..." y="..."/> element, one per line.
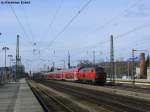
<point x="65" y="70"/>
<point x="96" y="66"/>
<point x="73" y="69"/>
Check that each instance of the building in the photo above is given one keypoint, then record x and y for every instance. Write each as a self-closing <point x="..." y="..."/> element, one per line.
<point x="142" y="66"/>
<point x="20" y="73"/>
<point x="5" y="75"/>
<point x="148" y="73"/>
<point x="137" y="74"/>
<point x="122" y="68"/>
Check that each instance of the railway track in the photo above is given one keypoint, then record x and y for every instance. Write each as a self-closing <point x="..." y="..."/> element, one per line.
<point x="131" y="88"/>
<point x="127" y="87"/>
<point x="113" y="102"/>
<point x="51" y="102"/>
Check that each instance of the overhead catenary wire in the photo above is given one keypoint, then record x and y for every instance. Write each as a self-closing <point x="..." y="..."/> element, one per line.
<point x="28" y="24"/>
<point x="110" y="21"/>
<point x="132" y="45"/>
<point x="124" y="34"/>
<point x="50" y="24"/>
<point x="137" y="28"/>
<point x="103" y="25"/>
<point x="19" y="22"/>
<point x="133" y="30"/>
<point x="22" y="26"/>
<point x="69" y="23"/>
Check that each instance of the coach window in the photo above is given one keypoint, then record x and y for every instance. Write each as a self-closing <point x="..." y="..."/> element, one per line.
<point x="88" y="70"/>
<point x="99" y="69"/>
<point x="84" y="70"/>
<point x="81" y="70"/>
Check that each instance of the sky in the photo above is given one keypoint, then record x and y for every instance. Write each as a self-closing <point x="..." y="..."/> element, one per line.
<point x="41" y="22"/>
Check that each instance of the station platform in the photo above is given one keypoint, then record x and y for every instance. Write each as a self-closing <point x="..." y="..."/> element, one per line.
<point x="18" y="97"/>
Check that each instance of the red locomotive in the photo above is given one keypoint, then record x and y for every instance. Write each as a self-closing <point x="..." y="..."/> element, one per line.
<point x="87" y="74"/>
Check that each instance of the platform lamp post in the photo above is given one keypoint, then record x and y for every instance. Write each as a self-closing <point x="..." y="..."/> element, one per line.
<point x="5" y="49"/>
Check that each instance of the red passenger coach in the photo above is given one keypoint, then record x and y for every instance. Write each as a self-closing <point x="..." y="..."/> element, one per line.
<point x="71" y="74"/>
<point x="55" y="75"/>
<point x="88" y="74"/>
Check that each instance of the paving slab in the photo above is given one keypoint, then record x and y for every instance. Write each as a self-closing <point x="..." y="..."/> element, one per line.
<point x="18" y="97"/>
<point x="8" y="96"/>
<point x="26" y="101"/>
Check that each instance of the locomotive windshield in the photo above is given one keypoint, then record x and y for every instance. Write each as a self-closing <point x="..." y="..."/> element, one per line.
<point x="99" y="69"/>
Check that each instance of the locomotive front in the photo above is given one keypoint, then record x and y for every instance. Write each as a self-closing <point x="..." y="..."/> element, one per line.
<point x="100" y="75"/>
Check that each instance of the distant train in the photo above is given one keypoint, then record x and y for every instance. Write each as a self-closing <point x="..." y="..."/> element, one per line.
<point x="87" y="74"/>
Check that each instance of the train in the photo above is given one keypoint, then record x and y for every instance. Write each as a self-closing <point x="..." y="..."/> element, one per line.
<point x="95" y="75"/>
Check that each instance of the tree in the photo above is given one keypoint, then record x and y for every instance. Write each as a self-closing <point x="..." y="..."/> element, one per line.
<point x="146" y="64"/>
<point x="85" y="63"/>
<point x="147" y="61"/>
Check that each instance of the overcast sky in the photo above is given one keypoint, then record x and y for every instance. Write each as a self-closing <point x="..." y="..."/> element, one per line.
<point x="41" y="21"/>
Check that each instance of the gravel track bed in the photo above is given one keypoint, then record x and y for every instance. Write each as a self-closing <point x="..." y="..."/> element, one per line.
<point x="116" y="103"/>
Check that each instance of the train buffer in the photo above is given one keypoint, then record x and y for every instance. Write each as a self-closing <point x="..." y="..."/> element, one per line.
<point x="18" y="97"/>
